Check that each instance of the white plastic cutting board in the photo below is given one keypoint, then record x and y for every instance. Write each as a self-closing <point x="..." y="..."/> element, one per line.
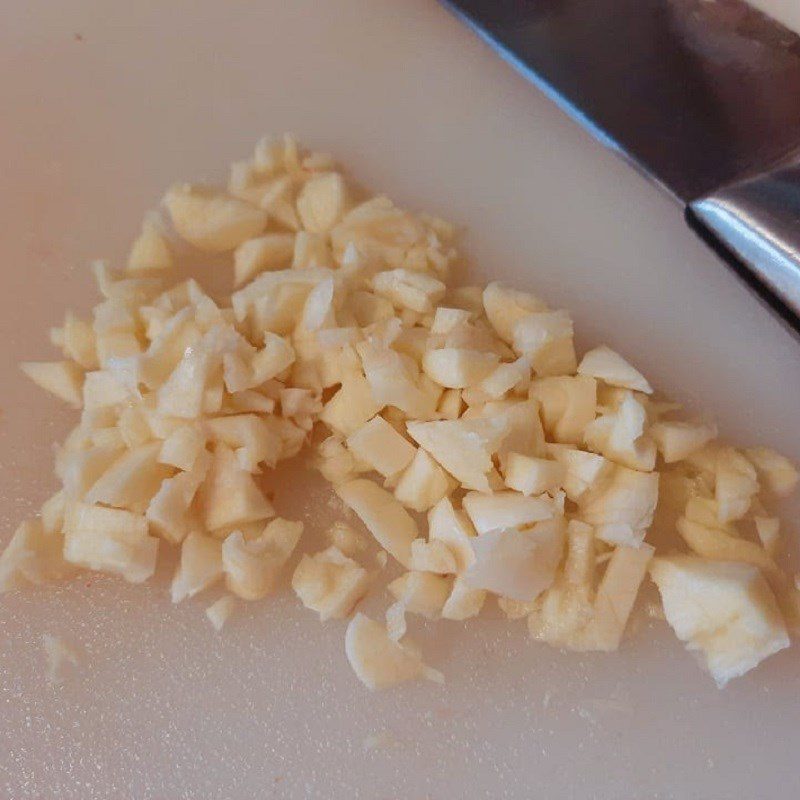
<point x="103" y="105"/>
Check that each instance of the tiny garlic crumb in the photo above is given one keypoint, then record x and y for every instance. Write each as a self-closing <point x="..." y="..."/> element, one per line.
<point x="382" y="740"/>
<point x="60" y="657"/>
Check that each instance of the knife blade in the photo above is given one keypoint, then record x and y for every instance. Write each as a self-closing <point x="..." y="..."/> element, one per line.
<point x="701" y="96"/>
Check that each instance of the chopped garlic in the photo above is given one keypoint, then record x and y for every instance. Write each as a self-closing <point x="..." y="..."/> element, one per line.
<point x="454" y="530"/>
<point x="446" y="320"/>
<point x="714" y="543"/>
<point x="199" y="568"/>
<point x="64" y="379"/>
<point x="391" y="525"/>
<point x="378" y="661"/>
<point x="463" y="447"/>
<point x="60" y="655"/>
<point x="584" y="471"/>
<point x="627" y="497"/>
<point x="489" y="512"/>
<point x="150" y="251"/>
<point x="380" y="231"/>
<point x="433" y="556"/>
<point x="102" y="389"/>
<point x="515" y="609"/>
<point x="342" y="325"/>
<point x="422" y="592"/>
<point x="350" y="407"/>
<point x="378" y="444"/>
<point x="109" y="540"/>
<point x="678" y="440"/>
<point x="725" y="610"/>
<point x="423" y="484"/>
<point x="182" y="447"/>
<point x="212" y="221"/>
<point x="219" y="612"/>
<point x="52" y="513"/>
<point x="568" y="405"/>
<point x="464" y="601"/>
<point x="507" y="377"/>
<point x="79" y="469"/>
<point x="132" y="480"/>
<point x="311" y="250"/>
<point x="620" y="533"/>
<point x="229" y="494"/>
<point x="321" y="202"/>
<point x="267" y="252"/>
<point x="616" y="595"/>
<point x="779" y="473"/>
<point x="335" y="462"/>
<point x="515" y="563"/>
<point x="620" y="436"/>
<point x="395" y="380"/>
<point x="78" y="342"/>
<point x="252" y="566"/>
<point x="330" y="583"/>
<point x="525" y="434"/>
<point x="456" y="368"/>
<point x="396" y="626"/>
<point x="768" y="530"/>
<point x="505" y="307"/>
<point x="606" y="365"/>
<point x="413" y="290"/>
<point x="277" y="197"/>
<point x="546" y="338"/>
<point x="533" y="475"/>
<point x="736" y="485"/>
<point x="34" y="555"/>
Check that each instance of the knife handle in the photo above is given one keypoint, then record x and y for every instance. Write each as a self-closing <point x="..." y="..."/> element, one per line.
<point x="755" y="225"/>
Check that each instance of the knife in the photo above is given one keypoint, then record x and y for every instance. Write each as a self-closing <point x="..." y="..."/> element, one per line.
<point x="702" y="96"/>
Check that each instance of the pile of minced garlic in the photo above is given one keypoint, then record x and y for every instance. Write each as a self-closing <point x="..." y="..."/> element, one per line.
<point x="459" y="425"/>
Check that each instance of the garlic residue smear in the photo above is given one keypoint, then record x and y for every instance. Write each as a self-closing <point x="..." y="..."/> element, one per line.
<point x="477" y="447"/>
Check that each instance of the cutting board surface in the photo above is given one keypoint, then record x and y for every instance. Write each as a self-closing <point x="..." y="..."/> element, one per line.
<point x="104" y="105"/>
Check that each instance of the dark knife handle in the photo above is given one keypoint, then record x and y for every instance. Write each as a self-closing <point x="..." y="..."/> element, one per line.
<point x="755" y="225"/>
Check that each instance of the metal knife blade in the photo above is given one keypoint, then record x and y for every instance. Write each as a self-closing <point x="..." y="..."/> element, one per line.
<point x="702" y="96"/>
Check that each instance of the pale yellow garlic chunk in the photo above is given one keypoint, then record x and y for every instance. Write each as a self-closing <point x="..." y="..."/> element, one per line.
<point x="422" y="593"/>
<point x="463" y="447"/>
<point x="211" y="220"/>
<point x="252" y="566"/>
<point x="64" y="379"/>
<point x="533" y="476"/>
<point x="515" y="563"/>
<point x="330" y="583"/>
<point x="109" y="540"/>
<point x="386" y="519"/>
<point x="267" y="252"/>
<point x="779" y="473"/>
<point x="378" y="444"/>
<point x="219" y="612"/>
<point x="200" y="566"/>
<point x="378" y="661"/>
<point x="724" y="610"/>
<point x="605" y="364"/>
<point x="423" y="484"/>
<point x="150" y="251"/>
